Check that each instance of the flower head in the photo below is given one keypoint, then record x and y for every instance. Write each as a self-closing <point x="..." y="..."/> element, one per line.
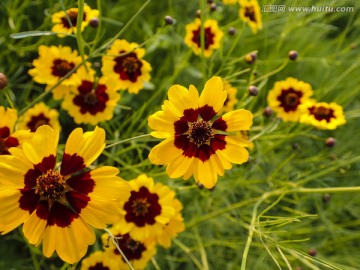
<point x="212" y="36"/>
<point x="58" y="205"/>
<point x="54" y="63"/>
<point x="250" y="14"/>
<point x="91" y="103"/>
<point x="149" y="207"/>
<point x="137" y="252"/>
<point x="286" y="97"/>
<point x="39" y="115"/>
<point x="8" y="137"/>
<point x="123" y="62"/>
<point x="99" y="260"/>
<point x="322" y="115"/>
<point x="196" y="141"/>
<point x="65" y="21"/>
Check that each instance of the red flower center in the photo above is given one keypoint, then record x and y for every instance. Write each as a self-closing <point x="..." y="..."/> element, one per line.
<point x="200" y="132"/>
<point x="250" y="13"/>
<point x="208" y="37"/>
<point x="132" y="249"/>
<point x="128" y="66"/>
<point x="37" y="121"/>
<point x="322" y="113"/>
<point x="91" y="100"/>
<point x="142" y="207"/>
<point x="72" y="16"/>
<point x="290" y="99"/>
<point x="61" y="67"/>
<point x="50" y="186"/>
<point x="6" y="141"/>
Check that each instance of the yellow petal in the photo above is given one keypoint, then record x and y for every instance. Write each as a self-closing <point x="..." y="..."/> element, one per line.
<point x="179" y="166"/>
<point x="164" y="152"/>
<point x="182" y="98"/>
<point x="233" y="153"/>
<point x="88" y="145"/>
<point x="43" y="144"/>
<point x="213" y="94"/>
<point x="11" y="215"/>
<point x="33" y="228"/>
<point x="205" y="174"/>
<point x="238" y="120"/>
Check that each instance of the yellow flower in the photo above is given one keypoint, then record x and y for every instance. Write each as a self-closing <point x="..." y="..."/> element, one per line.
<point x="137" y="252"/>
<point x="149" y="208"/>
<point x="59" y="205"/>
<point x="39" y="115"/>
<point x="250" y="14"/>
<point x="196" y="142"/>
<point x="65" y="21"/>
<point x="8" y="137"/>
<point x="123" y="62"/>
<point x="286" y="96"/>
<point x="54" y="63"/>
<point x="231" y="99"/>
<point x="99" y="261"/>
<point x="322" y="115"/>
<point x="88" y="104"/>
<point x="212" y="36"/>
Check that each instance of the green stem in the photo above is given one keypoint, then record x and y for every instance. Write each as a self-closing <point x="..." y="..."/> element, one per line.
<point x="79" y="38"/>
<point x="127" y="140"/>
<point x="271" y="72"/>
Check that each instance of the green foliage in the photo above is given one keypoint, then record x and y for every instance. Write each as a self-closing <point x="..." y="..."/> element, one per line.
<point x="265" y="214"/>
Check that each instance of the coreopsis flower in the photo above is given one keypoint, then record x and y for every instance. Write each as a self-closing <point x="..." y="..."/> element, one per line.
<point x="53" y="64"/>
<point x="137" y="252"/>
<point x="196" y="141"/>
<point x="59" y="204"/>
<point x="250" y="14"/>
<point x="123" y="62"/>
<point x="39" y="115"/>
<point x="286" y="97"/>
<point x="8" y="136"/>
<point x="231" y="99"/>
<point x="323" y="115"/>
<point x="65" y="22"/>
<point x="149" y="208"/>
<point x="99" y="260"/>
<point x="212" y="36"/>
<point x="90" y="102"/>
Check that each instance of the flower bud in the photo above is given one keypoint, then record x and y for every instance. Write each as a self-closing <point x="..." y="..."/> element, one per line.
<point x="169" y="20"/>
<point x="330" y="142"/>
<point x="312" y="252"/>
<point x="268" y="112"/>
<point x="213" y="7"/>
<point x="253" y="90"/>
<point x="3" y="81"/>
<point x="293" y="55"/>
<point x="250" y="58"/>
<point x="231" y="31"/>
<point x="94" y="22"/>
